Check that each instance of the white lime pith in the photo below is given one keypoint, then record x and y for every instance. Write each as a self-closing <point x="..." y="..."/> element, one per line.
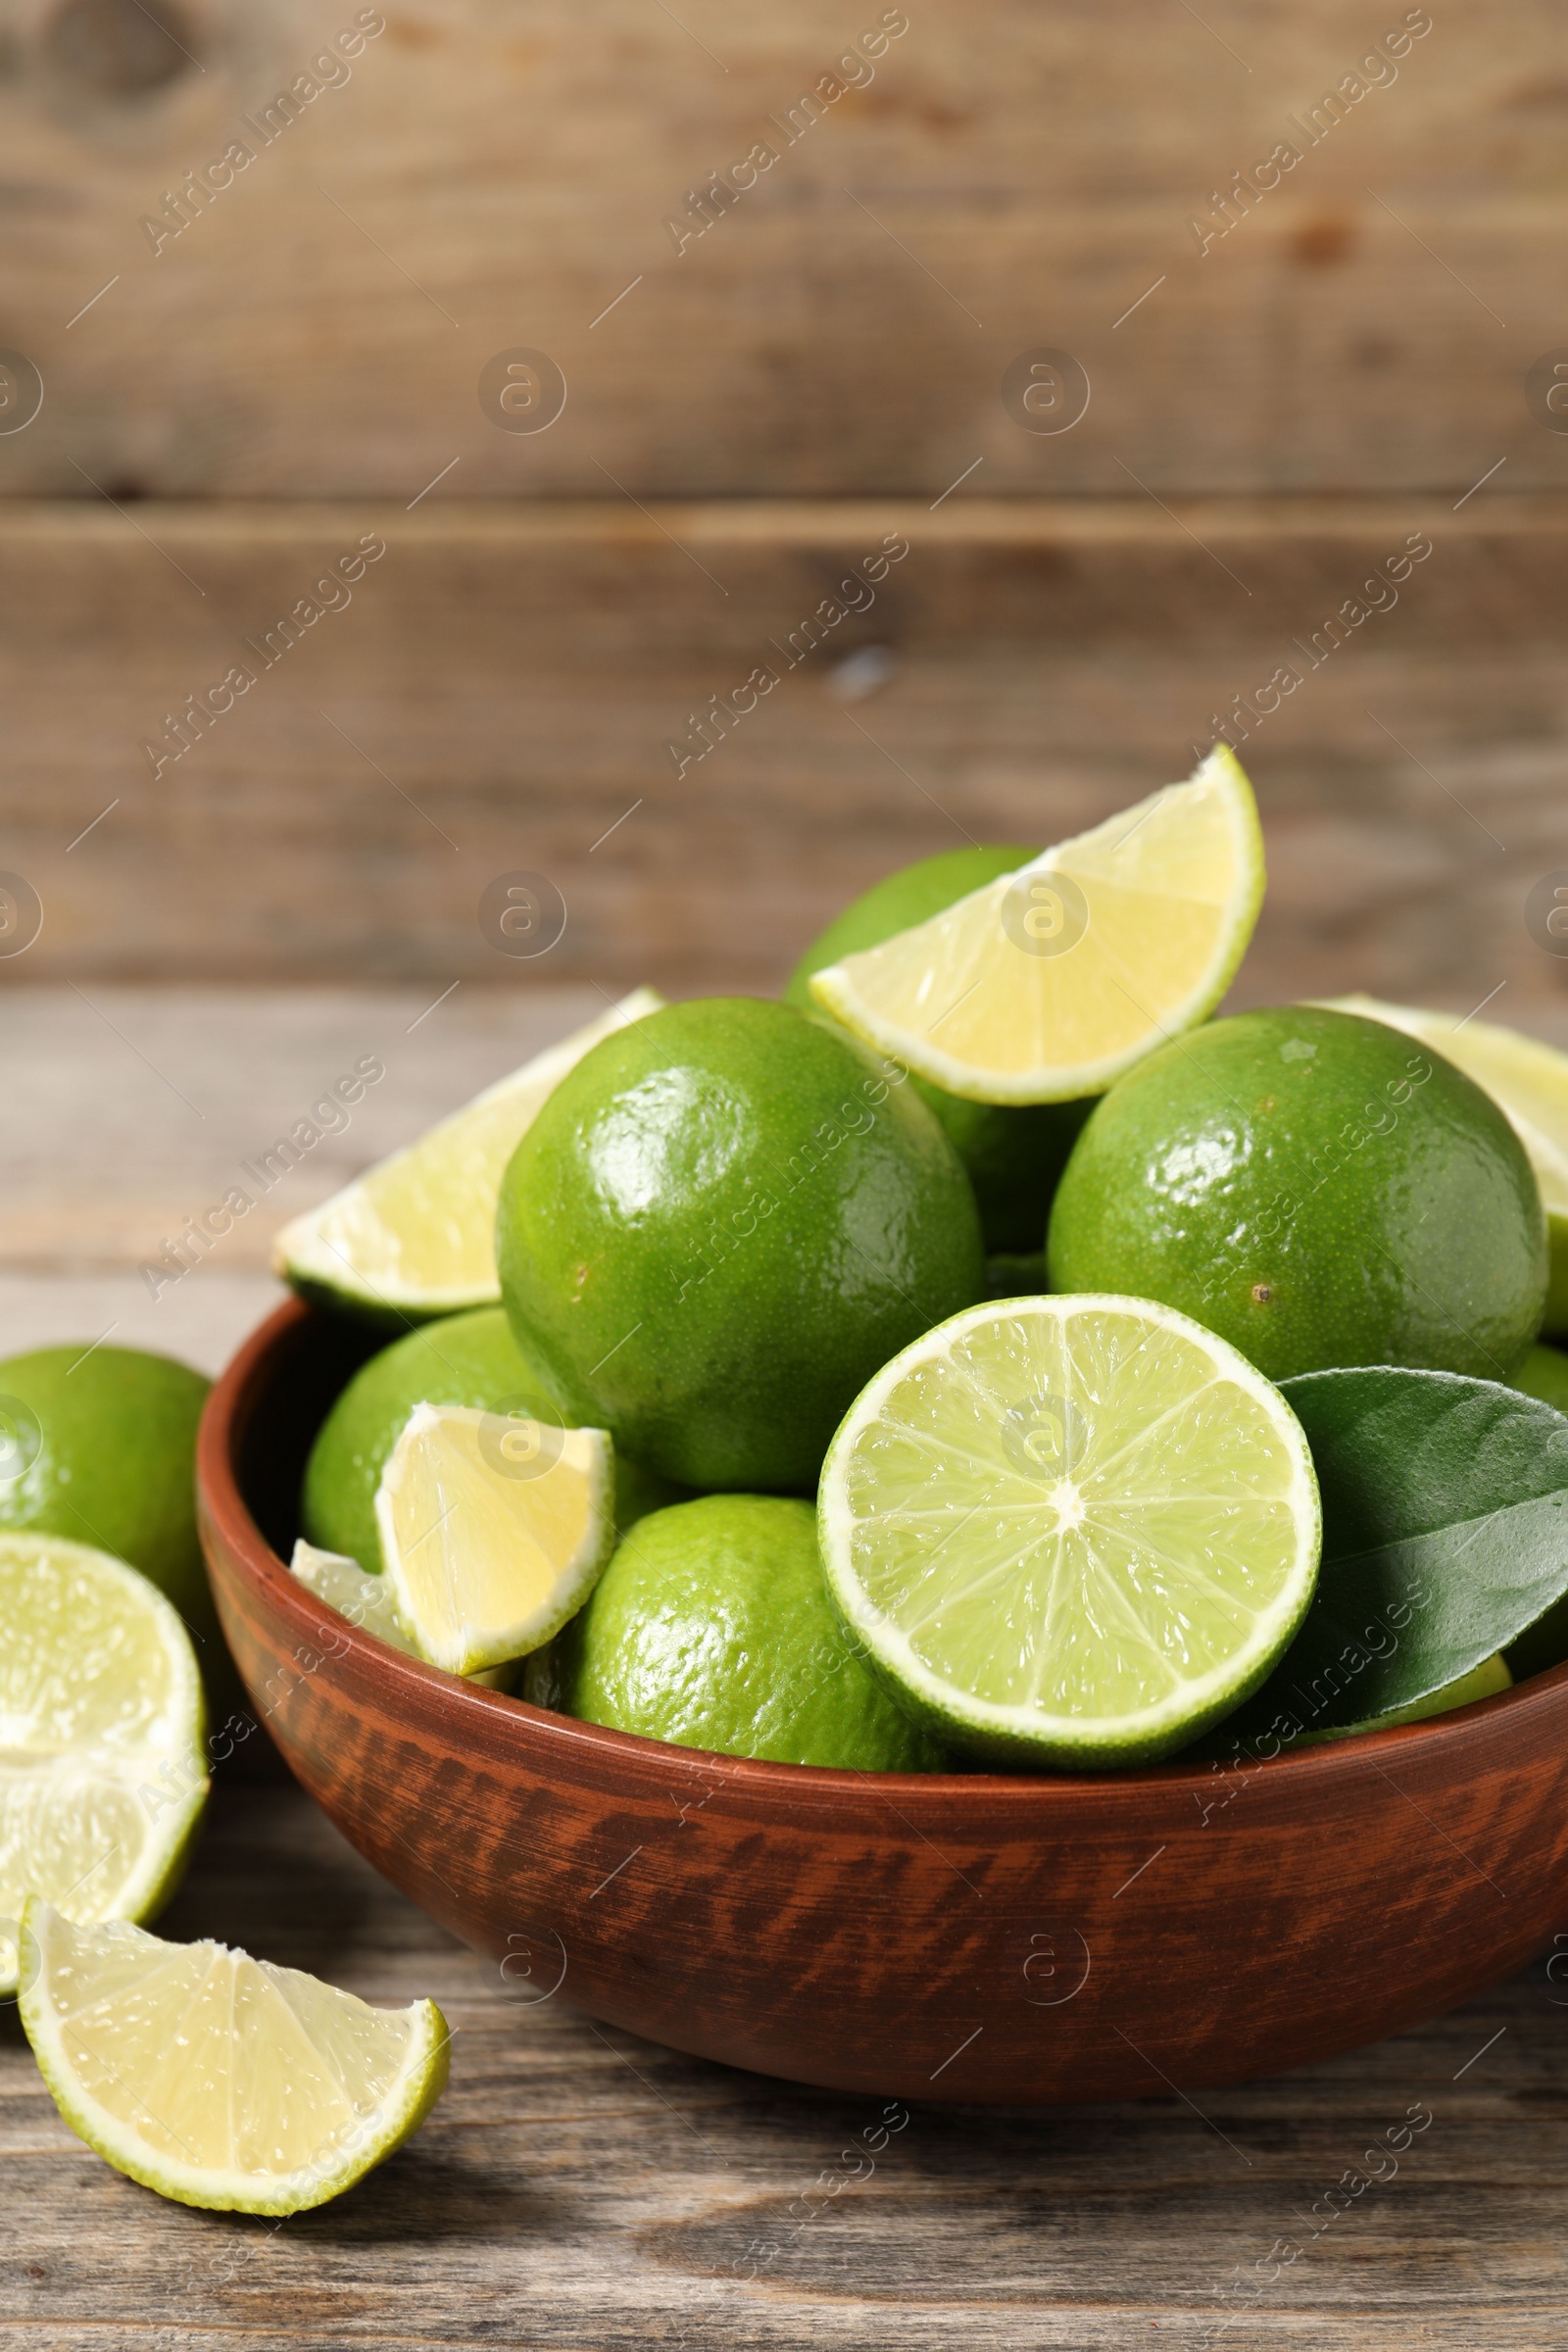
<point x="1046" y="985"/>
<point x="493" y="1529"/>
<point x="103" y="1776"/>
<point x="415" y="1236"/>
<point x="1072" y="1530"/>
<point x="217" y="2079"/>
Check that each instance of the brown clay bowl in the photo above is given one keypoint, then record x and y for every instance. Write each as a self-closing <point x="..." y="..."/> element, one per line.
<point x="964" y="1936"/>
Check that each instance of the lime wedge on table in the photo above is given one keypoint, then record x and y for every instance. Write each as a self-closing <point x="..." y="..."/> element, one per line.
<point x="1071" y="1530"/>
<point x="102" y="1772"/>
<point x="494" y="1531"/>
<point x="1046" y="984"/>
<point x="1529" y="1083"/>
<point x="217" y="2079"/>
<point x="415" y="1236"/>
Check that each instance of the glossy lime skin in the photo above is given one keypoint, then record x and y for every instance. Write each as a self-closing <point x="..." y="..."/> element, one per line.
<point x="719" y="1225"/>
<point x="115" y="1466"/>
<point x="1318" y="1190"/>
<point x="712" y="1628"/>
<point x="1014" y="1153"/>
<point x="469" y="1359"/>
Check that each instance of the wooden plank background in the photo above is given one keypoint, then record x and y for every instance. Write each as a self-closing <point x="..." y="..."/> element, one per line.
<point x="496" y="171"/>
<point x="502" y="691"/>
<point x="301" y="365"/>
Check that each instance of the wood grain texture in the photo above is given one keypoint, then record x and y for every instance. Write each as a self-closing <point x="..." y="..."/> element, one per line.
<point x="583" y="2189"/>
<point x="1013" y="177"/>
<point x="502" y="690"/>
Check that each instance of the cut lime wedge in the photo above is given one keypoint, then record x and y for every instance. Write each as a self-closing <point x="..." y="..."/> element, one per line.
<point x="372" y="1602"/>
<point x="1529" y="1083"/>
<point x="363" y="1600"/>
<point x="1046" y="984"/>
<point x="1072" y="1530"/>
<point x="415" y="1236"/>
<point x="102" y="1771"/>
<point x="493" y="1529"/>
<point x="217" y="2079"/>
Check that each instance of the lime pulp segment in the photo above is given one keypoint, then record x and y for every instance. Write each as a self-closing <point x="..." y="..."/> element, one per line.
<point x="1077" y="1528"/>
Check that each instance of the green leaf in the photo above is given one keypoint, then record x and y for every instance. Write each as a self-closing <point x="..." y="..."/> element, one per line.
<point x="1444" y="1537"/>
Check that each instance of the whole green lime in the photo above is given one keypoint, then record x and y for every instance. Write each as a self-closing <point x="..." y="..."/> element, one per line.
<point x="712" y="1628"/>
<point x="719" y="1225"/>
<point x="1316" y="1188"/>
<point x="99" y="1443"/>
<point x="1014" y="1153"/>
<point x="462" y="1359"/>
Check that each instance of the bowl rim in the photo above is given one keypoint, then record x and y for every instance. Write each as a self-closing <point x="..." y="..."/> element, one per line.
<point x="221" y="1501"/>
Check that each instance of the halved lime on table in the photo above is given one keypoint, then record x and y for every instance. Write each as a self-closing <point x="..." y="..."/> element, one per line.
<point x="102" y="1771"/>
<point x="415" y="1236"/>
<point x="217" y="2079"/>
<point x="1044" y="985"/>
<point x="1529" y="1083"/>
<point x="1071" y="1532"/>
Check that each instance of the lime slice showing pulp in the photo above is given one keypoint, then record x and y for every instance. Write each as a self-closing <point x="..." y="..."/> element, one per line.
<point x="217" y="2079"/>
<point x="1071" y="1530"/>
<point x="103" y="1776"/>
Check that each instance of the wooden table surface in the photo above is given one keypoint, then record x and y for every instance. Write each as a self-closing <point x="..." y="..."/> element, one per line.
<point x="577" y="2187"/>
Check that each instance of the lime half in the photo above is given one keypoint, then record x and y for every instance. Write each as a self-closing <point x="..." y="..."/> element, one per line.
<point x="1529" y="1083"/>
<point x="415" y="1236"/>
<point x="493" y="1529"/>
<point x="1072" y="1530"/>
<point x="217" y="2079"/>
<point x="1046" y="984"/>
<point x="102" y="1772"/>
